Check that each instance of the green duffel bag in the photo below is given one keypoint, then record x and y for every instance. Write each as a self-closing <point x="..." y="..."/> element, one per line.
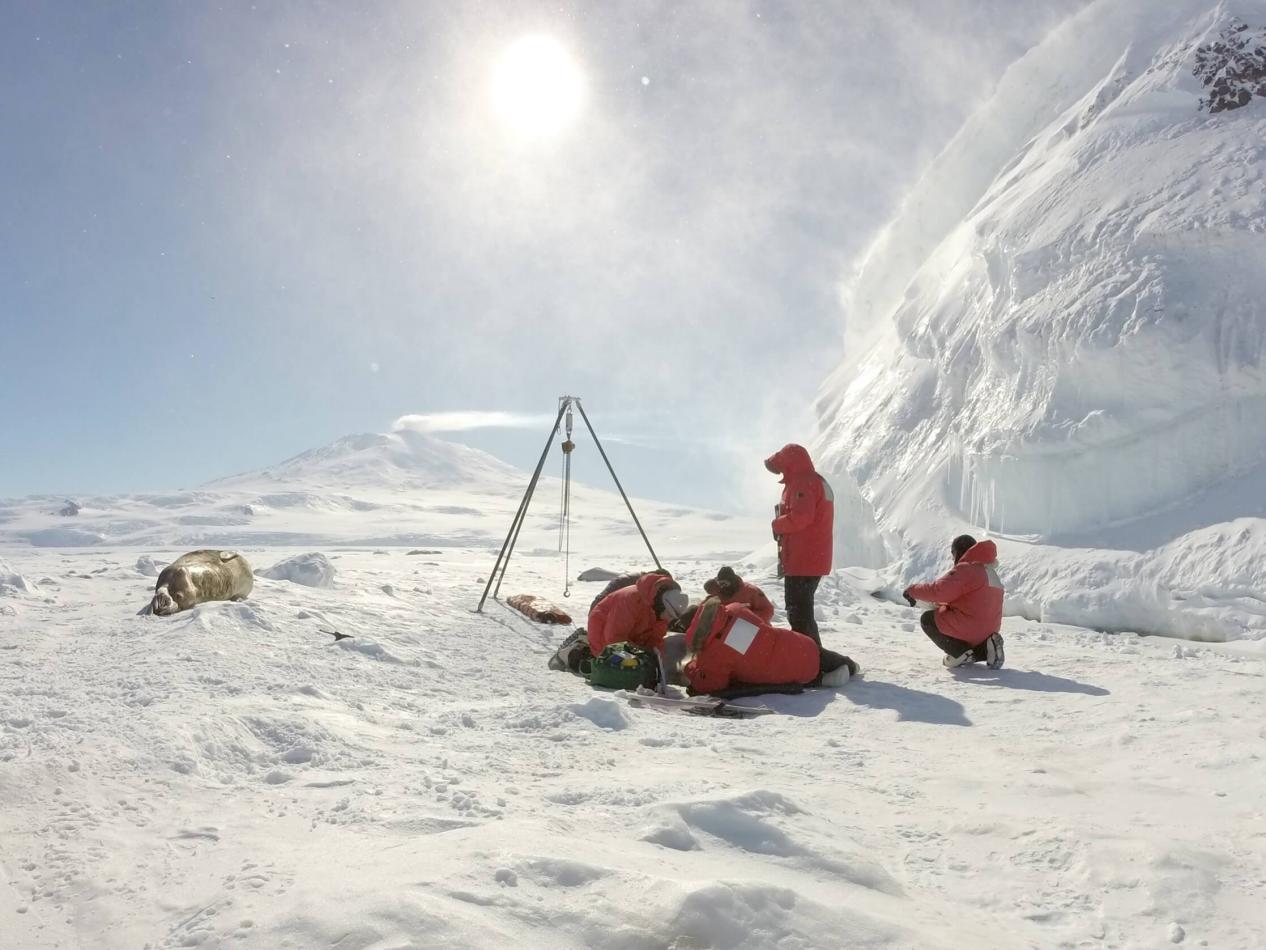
<point x="624" y="665"/>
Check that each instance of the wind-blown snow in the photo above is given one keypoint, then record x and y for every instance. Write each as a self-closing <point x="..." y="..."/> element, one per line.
<point x="1061" y="341"/>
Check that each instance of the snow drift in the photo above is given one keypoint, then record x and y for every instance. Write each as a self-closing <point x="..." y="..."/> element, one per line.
<point x="1060" y="341"/>
<point x="310" y="570"/>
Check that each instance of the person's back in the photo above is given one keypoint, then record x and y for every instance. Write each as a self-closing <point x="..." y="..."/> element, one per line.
<point x="619" y="583"/>
<point x="732" y="645"/>
<point x="633" y="613"/>
<point x="732" y="589"/>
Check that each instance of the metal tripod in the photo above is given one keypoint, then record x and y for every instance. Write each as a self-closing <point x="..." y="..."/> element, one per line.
<point x="498" y="574"/>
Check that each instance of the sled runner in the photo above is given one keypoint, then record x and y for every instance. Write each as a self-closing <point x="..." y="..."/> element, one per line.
<point x="694" y="705"/>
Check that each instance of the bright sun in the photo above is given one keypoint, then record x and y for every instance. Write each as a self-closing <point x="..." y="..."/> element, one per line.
<point x="537" y="88"/>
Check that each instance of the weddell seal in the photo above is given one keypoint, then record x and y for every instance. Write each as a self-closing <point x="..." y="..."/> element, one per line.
<point x="198" y="577"/>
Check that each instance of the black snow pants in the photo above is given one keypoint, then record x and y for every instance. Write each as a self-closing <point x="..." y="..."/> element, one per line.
<point x="951" y="645"/>
<point x="828" y="662"/>
<point x="798" y="593"/>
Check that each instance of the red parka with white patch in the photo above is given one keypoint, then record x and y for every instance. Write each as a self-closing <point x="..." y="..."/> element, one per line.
<point x="732" y="645"/>
<point x="806" y="515"/>
<point x="969" y="598"/>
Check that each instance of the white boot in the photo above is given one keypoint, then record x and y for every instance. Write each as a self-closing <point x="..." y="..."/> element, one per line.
<point x="841" y="674"/>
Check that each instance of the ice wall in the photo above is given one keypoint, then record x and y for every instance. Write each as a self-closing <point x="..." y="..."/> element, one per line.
<point x="1063" y="333"/>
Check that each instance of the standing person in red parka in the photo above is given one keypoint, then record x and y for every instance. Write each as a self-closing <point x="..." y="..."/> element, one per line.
<point x="732" y="589"/>
<point x="639" y="613"/>
<point x="968" y="606"/>
<point x="803" y="527"/>
<point x="730" y="646"/>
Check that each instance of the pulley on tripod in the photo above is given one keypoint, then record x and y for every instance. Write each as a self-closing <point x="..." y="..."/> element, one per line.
<point x="565" y="406"/>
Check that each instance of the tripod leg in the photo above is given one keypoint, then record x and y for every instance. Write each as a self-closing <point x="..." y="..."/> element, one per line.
<point x="507" y="548"/>
<point x="627" y="503"/>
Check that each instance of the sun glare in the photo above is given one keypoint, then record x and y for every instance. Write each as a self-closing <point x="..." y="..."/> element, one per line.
<point x="537" y="89"/>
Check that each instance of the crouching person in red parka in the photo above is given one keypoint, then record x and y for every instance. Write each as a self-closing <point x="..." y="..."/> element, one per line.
<point x="732" y="589"/>
<point x="639" y="613"/>
<point x="729" y="646"/>
<point x="968" y="605"/>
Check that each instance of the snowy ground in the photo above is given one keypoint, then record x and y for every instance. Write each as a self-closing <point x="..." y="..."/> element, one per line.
<point x="231" y="777"/>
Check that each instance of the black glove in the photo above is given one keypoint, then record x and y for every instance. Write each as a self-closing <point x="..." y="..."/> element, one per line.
<point x="909" y="600"/>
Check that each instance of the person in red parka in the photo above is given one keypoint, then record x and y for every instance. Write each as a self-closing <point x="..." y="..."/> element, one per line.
<point x="639" y="613"/>
<point x="968" y="605"/>
<point x="732" y="589"/>
<point x="729" y="646"/>
<point x="804" y="528"/>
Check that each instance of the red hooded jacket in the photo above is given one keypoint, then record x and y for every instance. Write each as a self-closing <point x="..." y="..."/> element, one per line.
<point x="806" y="514"/>
<point x="732" y="645"/>
<point x="969" y="598"/>
<point x="754" y="599"/>
<point x="629" y="614"/>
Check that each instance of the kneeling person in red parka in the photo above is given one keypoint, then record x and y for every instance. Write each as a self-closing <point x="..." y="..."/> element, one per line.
<point x="732" y="589"/>
<point x="968" y="605"/>
<point x="639" y="613"/>
<point x="731" y="646"/>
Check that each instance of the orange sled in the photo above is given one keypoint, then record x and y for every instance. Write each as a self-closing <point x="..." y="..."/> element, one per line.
<point x="538" y="609"/>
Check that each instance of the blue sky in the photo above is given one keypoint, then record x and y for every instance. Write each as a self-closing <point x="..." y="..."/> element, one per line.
<point x="229" y="233"/>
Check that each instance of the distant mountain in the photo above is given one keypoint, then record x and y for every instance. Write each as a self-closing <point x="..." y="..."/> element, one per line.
<point x="398" y="488"/>
<point x="395" y="460"/>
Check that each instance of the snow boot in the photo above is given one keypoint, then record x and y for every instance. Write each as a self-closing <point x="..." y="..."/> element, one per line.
<point x="995" y="655"/>
<point x="573" y="655"/>
<point x="841" y="674"/>
<point x="954" y="662"/>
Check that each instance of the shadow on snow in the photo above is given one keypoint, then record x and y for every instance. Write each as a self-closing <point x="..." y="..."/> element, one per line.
<point x="1027" y="679"/>
<point x="910" y="705"/>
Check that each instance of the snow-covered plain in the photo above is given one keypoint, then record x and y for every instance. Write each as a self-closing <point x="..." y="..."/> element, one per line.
<point x="233" y="777"/>
<point x="1060" y="341"/>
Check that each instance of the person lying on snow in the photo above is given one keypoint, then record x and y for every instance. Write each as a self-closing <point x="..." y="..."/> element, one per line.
<point x="729" y="646"/>
<point x="639" y="613"/>
<point x="732" y="589"/>
<point x="968" y="605"/>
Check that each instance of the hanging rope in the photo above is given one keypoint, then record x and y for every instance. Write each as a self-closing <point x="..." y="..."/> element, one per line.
<point x="564" y="527"/>
<point x="565" y="407"/>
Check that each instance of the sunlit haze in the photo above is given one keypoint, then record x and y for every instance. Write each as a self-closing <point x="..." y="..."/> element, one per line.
<point x="232" y="233"/>
<point x="536" y="88"/>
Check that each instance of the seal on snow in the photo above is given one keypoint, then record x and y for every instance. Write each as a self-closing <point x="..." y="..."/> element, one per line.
<point x="198" y="577"/>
